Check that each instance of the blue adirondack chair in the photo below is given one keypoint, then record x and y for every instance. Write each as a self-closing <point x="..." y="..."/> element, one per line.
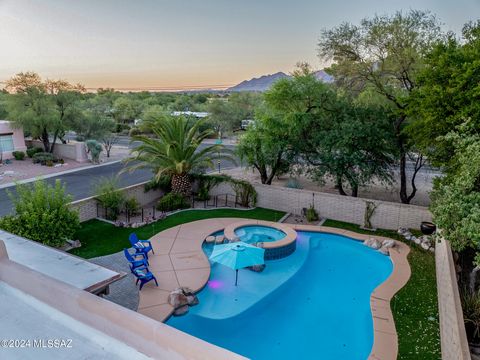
<point x="135" y="260"/>
<point x="140" y="246"/>
<point x="144" y="276"/>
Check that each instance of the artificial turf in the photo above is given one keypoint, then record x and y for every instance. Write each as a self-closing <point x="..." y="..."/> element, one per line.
<point x="99" y="238"/>
<point x="414" y="307"/>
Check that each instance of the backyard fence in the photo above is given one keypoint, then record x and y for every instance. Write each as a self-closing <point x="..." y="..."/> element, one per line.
<point x="386" y="215"/>
<point x="452" y="329"/>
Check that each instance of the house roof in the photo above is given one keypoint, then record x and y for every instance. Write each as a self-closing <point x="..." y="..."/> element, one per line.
<point x="57" y="264"/>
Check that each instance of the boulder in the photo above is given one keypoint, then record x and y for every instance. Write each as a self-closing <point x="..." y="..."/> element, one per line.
<point x="257" y="268"/>
<point x="425" y="246"/>
<point x="192" y="300"/>
<point x="181" y="310"/>
<point x="186" y="290"/>
<point x="387" y="244"/>
<point x="417" y="240"/>
<point x="384" y="250"/>
<point x="402" y="231"/>
<point x="373" y="243"/>
<point x="177" y="299"/>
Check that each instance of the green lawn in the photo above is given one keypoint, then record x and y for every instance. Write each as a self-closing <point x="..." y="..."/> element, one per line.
<point x="415" y="307"/>
<point x="99" y="238"/>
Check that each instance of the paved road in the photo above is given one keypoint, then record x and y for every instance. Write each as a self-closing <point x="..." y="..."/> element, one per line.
<point x="81" y="184"/>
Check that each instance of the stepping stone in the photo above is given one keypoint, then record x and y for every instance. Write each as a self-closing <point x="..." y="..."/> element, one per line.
<point x="210" y="239"/>
<point x="219" y="239"/>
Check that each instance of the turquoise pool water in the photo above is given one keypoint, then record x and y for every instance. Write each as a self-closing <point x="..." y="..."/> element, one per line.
<point x="313" y="304"/>
<point x="258" y="233"/>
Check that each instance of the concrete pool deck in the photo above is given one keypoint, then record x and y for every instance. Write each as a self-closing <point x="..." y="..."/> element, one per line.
<point x="180" y="261"/>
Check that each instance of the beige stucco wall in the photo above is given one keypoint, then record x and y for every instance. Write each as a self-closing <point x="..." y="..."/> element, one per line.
<point x="387" y="215"/>
<point x="73" y="150"/>
<point x="17" y="135"/>
<point x="87" y="208"/>
<point x="452" y="329"/>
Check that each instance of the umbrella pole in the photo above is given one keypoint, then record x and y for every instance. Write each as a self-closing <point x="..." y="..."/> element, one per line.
<point x="236" y="277"/>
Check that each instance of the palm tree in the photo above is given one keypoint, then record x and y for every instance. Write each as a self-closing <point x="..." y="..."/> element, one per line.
<point x="174" y="150"/>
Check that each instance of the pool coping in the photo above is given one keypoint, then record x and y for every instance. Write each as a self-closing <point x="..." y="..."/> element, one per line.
<point x="180" y="261"/>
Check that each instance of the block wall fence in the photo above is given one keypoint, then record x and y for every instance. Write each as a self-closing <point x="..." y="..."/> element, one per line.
<point x="387" y="215"/>
<point x="452" y="329"/>
<point x="87" y="208"/>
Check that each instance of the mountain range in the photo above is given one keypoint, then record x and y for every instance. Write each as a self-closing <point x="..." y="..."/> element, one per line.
<point x="264" y="82"/>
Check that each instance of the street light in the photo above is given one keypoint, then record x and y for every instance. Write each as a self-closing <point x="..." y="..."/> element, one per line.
<point x="218" y="162"/>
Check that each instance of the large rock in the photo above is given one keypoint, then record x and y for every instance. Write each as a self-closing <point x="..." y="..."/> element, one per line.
<point x="181" y="310"/>
<point x="388" y="244"/>
<point x="384" y="250"/>
<point x="257" y="268"/>
<point x="177" y="299"/>
<point x="192" y="300"/>
<point x="373" y="243"/>
<point x="186" y="291"/>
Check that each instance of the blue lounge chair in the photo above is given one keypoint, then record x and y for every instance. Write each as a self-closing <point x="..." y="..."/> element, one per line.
<point x="140" y="246"/>
<point x="144" y="276"/>
<point x="135" y="260"/>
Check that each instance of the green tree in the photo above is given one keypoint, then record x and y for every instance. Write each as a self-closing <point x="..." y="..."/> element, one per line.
<point x="265" y="147"/>
<point x="385" y="53"/>
<point x="447" y="95"/>
<point x="348" y="142"/>
<point x="125" y="109"/>
<point x="42" y="214"/>
<point x="45" y="109"/>
<point x="175" y="150"/>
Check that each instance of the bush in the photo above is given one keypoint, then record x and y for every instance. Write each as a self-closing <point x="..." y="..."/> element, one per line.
<point x="42" y="158"/>
<point x="471" y="314"/>
<point x="132" y="206"/>
<point x="134" y="131"/>
<point x="42" y="214"/>
<point x="122" y="128"/>
<point x="311" y="214"/>
<point x="18" y="155"/>
<point x="108" y="195"/>
<point x="33" y="150"/>
<point x="173" y="201"/>
<point x="293" y="184"/>
<point x="94" y="148"/>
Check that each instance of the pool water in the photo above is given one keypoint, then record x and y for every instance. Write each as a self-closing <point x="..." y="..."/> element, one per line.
<point x="314" y="304"/>
<point x="257" y="233"/>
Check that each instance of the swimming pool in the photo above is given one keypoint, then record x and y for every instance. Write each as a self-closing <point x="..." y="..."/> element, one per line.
<point x="314" y="303"/>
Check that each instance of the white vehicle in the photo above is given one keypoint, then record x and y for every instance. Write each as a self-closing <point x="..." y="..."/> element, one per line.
<point x="246" y="124"/>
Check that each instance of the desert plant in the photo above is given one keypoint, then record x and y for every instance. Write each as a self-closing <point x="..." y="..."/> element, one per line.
<point x="94" y="148"/>
<point x="370" y="207"/>
<point x="173" y="201"/>
<point x="293" y="183"/>
<point x="164" y="183"/>
<point x="311" y="214"/>
<point x="42" y="213"/>
<point x="42" y="158"/>
<point x="175" y="151"/>
<point x="18" y="155"/>
<point x="132" y="206"/>
<point x="471" y="314"/>
<point x="244" y="192"/>
<point x="33" y="150"/>
<point x="108" y="194"/>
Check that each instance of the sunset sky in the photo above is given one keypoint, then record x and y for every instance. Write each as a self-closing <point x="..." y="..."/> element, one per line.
<point x="179" y="43"/>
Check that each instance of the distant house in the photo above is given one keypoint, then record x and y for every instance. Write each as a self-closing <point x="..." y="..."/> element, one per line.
<point x="11" y="139"/>
<point x="196" y="114"/>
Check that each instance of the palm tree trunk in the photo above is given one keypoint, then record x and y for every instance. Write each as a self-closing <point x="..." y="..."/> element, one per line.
<point x="181" y="184"/>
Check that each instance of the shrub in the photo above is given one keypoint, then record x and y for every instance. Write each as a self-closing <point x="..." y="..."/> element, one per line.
<point x="108" y="195"/>
<point x="293" y="183"/>
<point x="173" y="201"/>
<point x="33" y="150"/>
<point x="134" y="131"/>
<point x="164" y="183"/>
<point x="18" y="155"/>
<point x="42" y="213"/>
<point x="244" y="192"/>
<point x="311" y="214"/>
<point x="42" y="158"/>
<point x="132" y="206"/>
<point x="95" y="149"/>
<point x="471" y="314"/>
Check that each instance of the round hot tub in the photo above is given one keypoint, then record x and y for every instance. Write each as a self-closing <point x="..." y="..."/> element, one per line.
<point x="277" y="239"/>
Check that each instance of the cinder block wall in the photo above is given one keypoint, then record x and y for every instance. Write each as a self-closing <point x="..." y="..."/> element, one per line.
<point x="387" y="215"/>
<point x="87" y="208"/>
<point x="452" y="328"/>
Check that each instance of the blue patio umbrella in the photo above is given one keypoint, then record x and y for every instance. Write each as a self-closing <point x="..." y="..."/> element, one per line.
<point x="238" y="255"/>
